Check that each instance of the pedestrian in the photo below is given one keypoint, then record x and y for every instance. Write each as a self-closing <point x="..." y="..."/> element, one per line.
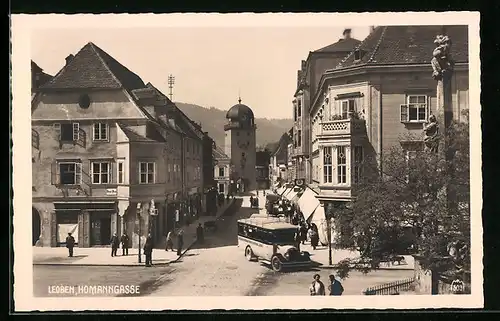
<point x="125" y="243"/>
<point x="251" y="201"/>
<point x="70" y="244"/>
<point x="303" y="233"/>
<point x="335" y="286"/>
<point x="317" y="287"/>
<point x="199" y="233"/>
<point x="180" y="242"/>
<point x="297" y="239"/>
<point x="115" y="243"/>
<point x="313" y="236"/>
<point x="169" y="242"/>
<point x="148" y="250"/>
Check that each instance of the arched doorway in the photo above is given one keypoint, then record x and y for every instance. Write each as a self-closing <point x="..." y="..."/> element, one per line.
<point x="36" y="224"/>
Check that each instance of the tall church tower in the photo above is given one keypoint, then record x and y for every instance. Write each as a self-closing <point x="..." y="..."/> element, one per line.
<point x="240" y="146"/>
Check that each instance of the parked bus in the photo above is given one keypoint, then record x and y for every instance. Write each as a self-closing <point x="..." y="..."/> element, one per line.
<point x="271" y="241"/>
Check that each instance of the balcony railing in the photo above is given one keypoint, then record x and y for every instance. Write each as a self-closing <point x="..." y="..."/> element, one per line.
<point x="342" y="127"/>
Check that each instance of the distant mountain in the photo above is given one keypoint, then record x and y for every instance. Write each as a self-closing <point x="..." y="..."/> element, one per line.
<point x="212" y="120"/>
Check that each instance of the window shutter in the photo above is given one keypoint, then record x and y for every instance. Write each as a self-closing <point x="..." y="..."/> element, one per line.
<point x="55" y="174"/>
<point x="113" y="173"/>
<point x="76" y="131"/>
<point x="78" y="173"/>
<point x="57" y="129"/>
<point x="404" y="113"/>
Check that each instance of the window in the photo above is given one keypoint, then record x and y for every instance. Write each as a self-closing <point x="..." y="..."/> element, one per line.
<point x="146" y="173"/>
<point x="341" y="165"/>
<point x="347" y="107"/>
<point x="327" y="164"/>
<point x="357" y="55"/>
<point x="299" y="107"/>
<point x="415" y="110"/>
<point x="295" y="113"/>
<point x="68" y="132"/>
<point x="358" y="160"/>
<point x="70" y="173"/>
<point x="299" y="138"/>
<point x="169" y="171"/>
<point x="121" y="172"/>
<point x="221" y="171"/>
<point x="221" y="188"/>
<point x="101" y="173"/>
<point x="101" y="131"/>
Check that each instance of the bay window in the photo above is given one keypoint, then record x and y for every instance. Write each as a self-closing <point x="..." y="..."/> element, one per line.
<point x="327" y="165"/>
<point x="341" y="165"/>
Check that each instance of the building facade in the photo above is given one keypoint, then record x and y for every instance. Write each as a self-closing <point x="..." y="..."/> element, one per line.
<point x="279" y="161"/>
<point x="376" y="99"/>
<point x="222" y="172"/>
<point x="110" y="155"/>
<point x="263" y="159"/>
<point x="240" y="146"/>
<point x="308" y="78"/>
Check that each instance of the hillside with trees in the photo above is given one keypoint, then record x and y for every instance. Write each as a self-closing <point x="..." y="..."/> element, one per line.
<point x="212" y="120"/>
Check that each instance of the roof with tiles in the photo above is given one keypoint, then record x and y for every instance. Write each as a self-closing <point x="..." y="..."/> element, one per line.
<point x="93" y="68"/>
<point x="217" y="153"/>
<point x="343" y="45"/>
<point x="133" y="136"/>
<point x="395" y="45"/>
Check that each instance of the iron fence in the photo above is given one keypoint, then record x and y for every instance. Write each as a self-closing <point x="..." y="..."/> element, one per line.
<point x="391" y="288"/>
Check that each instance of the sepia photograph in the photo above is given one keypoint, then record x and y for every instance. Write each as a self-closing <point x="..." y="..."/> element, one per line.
<point x="249" y="160"/>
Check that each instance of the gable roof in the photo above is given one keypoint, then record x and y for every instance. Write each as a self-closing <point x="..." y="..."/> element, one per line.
<point x="93" y="68"/>
<point x="133" y="136"/>
<point x="394" y="45"/>
<point x="217" y="153"/>
<point x="343" y="45"/>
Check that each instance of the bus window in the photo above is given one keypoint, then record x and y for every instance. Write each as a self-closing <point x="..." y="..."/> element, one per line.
<point x="284" y="236"/>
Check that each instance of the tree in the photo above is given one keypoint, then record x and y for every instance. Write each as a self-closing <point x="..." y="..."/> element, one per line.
<point x="419" y="203"/>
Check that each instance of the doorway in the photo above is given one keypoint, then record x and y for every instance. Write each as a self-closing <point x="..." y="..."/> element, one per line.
<point x="100" y="231"/>
<point x="36" y="226"/>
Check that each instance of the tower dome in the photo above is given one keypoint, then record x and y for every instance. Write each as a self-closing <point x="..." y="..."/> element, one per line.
<point x="240" y="113"/>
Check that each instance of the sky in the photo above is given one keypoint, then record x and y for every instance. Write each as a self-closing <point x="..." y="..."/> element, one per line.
<point x="212" y="66"/>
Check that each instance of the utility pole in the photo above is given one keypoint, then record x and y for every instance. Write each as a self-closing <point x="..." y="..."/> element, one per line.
<point x="171" y="82"/>
<point x="139" y="230"/>
<point x="329" y="209"/>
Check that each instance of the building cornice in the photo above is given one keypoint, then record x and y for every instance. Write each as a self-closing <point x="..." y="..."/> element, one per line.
<point x="366" y="69"/>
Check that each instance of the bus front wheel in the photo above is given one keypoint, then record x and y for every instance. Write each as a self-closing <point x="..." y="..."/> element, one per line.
<point x="276" y="264"/>
<point x="249" y="253"/>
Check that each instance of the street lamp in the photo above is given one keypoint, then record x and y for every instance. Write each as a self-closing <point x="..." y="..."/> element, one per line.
<point x="139" y="232"/>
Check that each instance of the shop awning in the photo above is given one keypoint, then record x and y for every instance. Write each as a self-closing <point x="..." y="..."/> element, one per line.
<point x="319" y="219"/>
<point x="308" y="203"/>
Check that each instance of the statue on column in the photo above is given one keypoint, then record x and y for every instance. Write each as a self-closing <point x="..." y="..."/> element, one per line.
<point x="431" y="131"/>
<point x="442" y="64"/>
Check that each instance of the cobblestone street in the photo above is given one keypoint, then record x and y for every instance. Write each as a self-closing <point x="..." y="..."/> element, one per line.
<point x="215" y="268"/>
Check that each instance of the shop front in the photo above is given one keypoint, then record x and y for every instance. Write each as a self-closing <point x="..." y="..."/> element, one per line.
<point x="91" y="224"/>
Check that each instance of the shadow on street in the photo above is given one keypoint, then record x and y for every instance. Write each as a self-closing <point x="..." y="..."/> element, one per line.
<point x="227" y="229"/>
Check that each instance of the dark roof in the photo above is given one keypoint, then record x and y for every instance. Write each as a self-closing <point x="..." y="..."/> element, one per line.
<point x="133" y="136"/>
<point x="392" y="45"/>
<point x="238" y="111"/>
<point x="92" y="67"/>
<point x="283" y="142"/>
<point x="217" y="153"/>
<point x="343" y="45"/>
<point x="39" y="78"/>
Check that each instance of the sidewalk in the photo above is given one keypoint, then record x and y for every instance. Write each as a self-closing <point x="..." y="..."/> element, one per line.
<point x="102" y="256"/>
<point x="320" y="255"/>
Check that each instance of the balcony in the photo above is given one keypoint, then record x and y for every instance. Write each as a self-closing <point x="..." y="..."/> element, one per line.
<point x="342" y="127"/>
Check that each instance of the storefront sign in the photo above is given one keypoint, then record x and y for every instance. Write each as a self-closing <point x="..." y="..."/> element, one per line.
<point x="111" y="192"/>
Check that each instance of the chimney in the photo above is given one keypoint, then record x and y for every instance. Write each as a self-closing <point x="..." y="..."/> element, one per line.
<point x="347" y="33"/>
<point x="372" y="28"/>
<point x="69" y="58"/>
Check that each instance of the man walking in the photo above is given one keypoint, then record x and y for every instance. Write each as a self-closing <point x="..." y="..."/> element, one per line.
<point x="199" y="233"/>
<point x="125" y="244"/>
<point x="70" y="244"/>
<point x="335" y="286"/>
<point x="115" y="243"/>
<point x="180" y="242"/>
<point x="148" y="250"/>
